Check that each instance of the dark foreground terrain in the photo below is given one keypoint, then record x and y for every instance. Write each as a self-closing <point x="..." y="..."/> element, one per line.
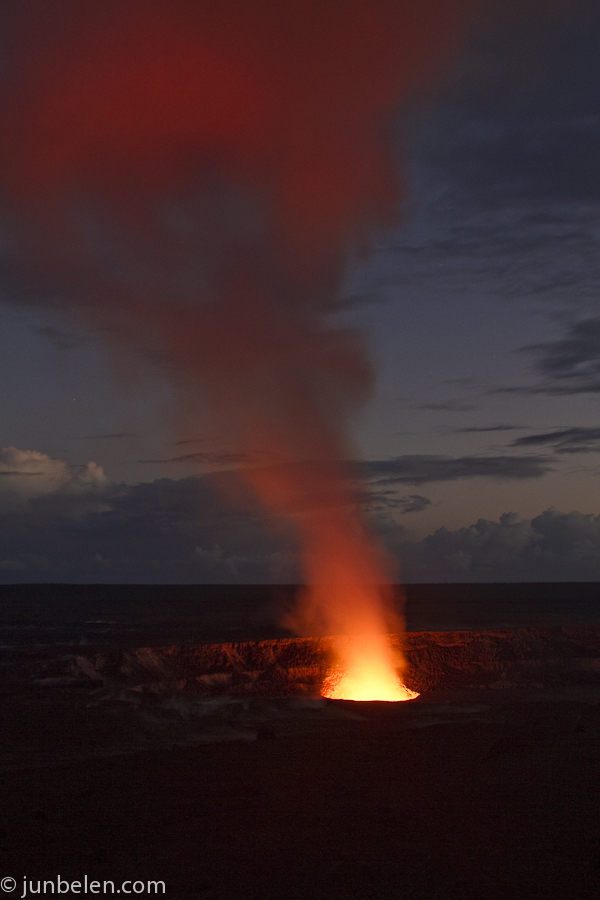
<point x="478" y="795"/>
<point x="217" y="770"/>
<point x="142" y="615"/>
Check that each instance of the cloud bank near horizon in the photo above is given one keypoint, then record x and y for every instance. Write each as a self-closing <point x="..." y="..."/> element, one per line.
<point x="60" y="523"/>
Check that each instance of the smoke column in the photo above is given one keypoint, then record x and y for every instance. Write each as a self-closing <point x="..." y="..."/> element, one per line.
<point x="193" y="174"/>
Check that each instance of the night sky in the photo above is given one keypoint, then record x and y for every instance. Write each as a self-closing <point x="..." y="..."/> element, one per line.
<point x="476" y="446"/>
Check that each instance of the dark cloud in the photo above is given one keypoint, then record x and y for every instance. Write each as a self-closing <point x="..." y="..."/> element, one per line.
<point x="565" y="440"/>
<point x="484" y="429"/>
<point x="187" y="441"/>
<point x="519" y="122"/>
<point x="413" y="503"/>
<point x="170" y="531"/>
<point x="571" y="364"/>
<point x="166" y="530"/>
<point x="116" y="436"/>
<point x="378" y="501"/>
<point x="529" y="119"/>
<point x="422" y="469"/>
<point x="553" y="546"/>
<point x="447" y="406"/>
<point x="66" y="523"/>
<point x="506" y="171"/>
<point x="415" y="469"/>
<point x="203" y="458"/>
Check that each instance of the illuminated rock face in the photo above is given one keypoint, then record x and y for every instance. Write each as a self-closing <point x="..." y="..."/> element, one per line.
<point x="448" y="659"/>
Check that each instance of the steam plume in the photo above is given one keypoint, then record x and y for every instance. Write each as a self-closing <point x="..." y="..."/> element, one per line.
<point x="192" y="174"/>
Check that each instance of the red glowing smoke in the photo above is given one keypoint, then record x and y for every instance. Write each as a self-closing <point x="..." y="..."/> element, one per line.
<point x="293" y="101"/>
<point x="266" y="127"/>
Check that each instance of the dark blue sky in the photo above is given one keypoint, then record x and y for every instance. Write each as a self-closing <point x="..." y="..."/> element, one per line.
<point x="478" y="448"/>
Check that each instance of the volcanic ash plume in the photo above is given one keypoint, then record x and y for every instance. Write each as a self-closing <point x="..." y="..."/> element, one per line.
<point x="189" y="177"/>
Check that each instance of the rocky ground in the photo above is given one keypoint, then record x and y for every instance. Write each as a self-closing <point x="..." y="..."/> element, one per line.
<point x="124" y="765"/>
